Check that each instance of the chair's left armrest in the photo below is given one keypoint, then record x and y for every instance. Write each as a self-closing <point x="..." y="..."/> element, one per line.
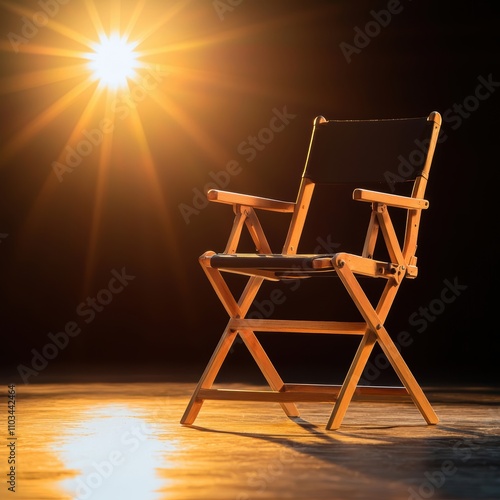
<point x="393" y="200"/>
<point x="250" y="201"/>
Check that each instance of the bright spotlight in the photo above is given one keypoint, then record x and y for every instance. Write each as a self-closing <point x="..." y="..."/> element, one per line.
<point x="113" y="61"/>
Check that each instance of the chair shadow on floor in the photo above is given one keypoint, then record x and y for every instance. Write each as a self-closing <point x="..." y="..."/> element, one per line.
<point x="455" y="462"/>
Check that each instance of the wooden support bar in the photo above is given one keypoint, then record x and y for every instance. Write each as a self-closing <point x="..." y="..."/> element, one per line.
<point x="306" y="393"/>
<point x="361" y="390"/>
<point x="299" y="326"/>
<point x="264" y="396"/>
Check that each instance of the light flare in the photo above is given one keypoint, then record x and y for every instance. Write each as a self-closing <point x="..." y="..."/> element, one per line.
<point x="113" y="61"/>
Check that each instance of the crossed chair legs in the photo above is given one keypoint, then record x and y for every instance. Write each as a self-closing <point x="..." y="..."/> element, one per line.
<point x="372" y="331"/>
<point x="375" y="332"/>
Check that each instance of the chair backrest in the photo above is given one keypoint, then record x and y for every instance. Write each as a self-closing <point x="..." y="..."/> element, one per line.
<point x="361" y="152"/>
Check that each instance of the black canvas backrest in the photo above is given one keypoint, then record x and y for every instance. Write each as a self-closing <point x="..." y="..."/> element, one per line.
<point x="385" y="151"/>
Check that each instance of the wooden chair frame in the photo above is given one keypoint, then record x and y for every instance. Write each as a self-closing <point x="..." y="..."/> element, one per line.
<point x="263" y="265"/>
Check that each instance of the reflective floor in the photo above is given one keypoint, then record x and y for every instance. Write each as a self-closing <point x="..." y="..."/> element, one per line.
<point x="123" y="441"/>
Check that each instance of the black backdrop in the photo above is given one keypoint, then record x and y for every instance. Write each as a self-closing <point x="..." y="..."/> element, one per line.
<point x="132" y="206"/>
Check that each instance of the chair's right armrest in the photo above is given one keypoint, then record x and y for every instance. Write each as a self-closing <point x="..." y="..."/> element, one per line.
<point x="247" y="200"/>
<point x="390" y="199"/>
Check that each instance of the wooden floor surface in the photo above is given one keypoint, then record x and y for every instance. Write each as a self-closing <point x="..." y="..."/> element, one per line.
<point x="123" y="441"/>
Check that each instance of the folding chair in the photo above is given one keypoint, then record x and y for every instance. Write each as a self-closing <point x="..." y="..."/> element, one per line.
<point x="365" y="152"/>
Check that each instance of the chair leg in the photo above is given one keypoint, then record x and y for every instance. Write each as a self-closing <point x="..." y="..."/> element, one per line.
<point x="351" y="381"/>
<point x="375" y="322"/>
<point x="234" y="309"/>
<point x="207" y="379"/>
<point x="406" y="377"/>
<point x="267" y="368"/>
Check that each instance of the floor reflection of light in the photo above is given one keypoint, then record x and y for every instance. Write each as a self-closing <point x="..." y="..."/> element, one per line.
<point x="116" y="453"/>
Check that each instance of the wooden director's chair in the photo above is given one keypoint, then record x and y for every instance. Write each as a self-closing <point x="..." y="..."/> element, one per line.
<point x="377" y="152"/>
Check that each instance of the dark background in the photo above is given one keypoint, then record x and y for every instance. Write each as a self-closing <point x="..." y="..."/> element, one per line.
<point x="120" y="207"/>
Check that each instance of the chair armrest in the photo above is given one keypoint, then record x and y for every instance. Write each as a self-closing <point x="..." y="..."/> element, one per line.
<point x="390" y="199"/>
<point x="250" y="201"/>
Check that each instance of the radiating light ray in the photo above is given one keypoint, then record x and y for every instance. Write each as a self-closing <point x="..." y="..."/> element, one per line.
<point x="217" y="79"/>
<point x="45" y="50"/>
<point x="162" y="209"/>
<point x="115" y="17"/>
<point x="52" y="24"/>
<point x="105" y="154"/>
<point x="213" y="150"/>
<point x="154" y="28"/>
<point x="64" y="30"/>
<point x="39" y="78"/>
<point x="94" y="17"/>
<point x="84" y="119"/>
<point x="15" y="8"/>
<point x="230" y="35"/>
<point x="133" y="20"/>
<point x="5" y="46"/>
<point x="233" y="83"/>
<point x="49" y="187"/>
<point x="149" y="168"/>
<point x="97" y="210"/>
<point x="42" y="120"/>
<point x="214" y="39"/>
